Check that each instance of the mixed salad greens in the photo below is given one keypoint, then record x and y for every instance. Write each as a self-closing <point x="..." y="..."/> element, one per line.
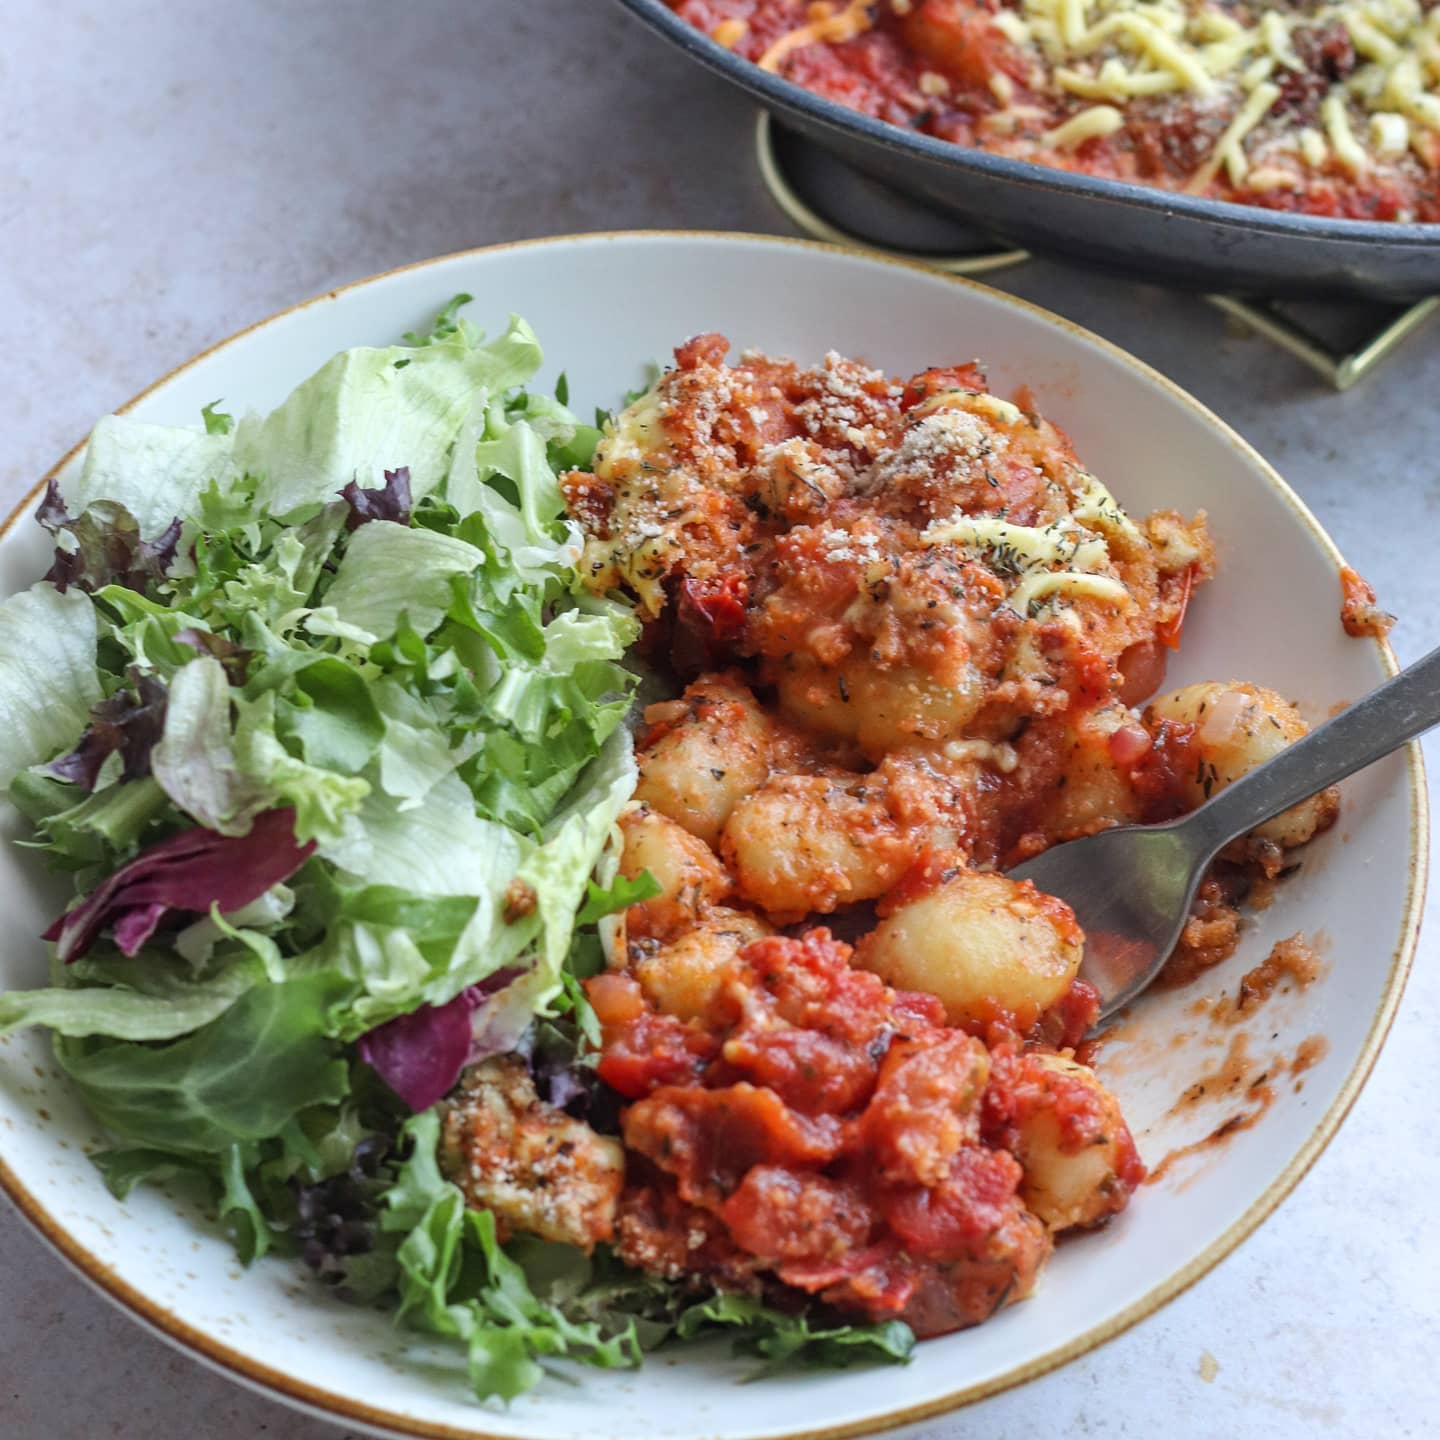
<point x="312" y="708"/>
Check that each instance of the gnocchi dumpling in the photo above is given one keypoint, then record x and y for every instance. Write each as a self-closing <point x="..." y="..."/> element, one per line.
<point x="1237" y="727"/>
<point x="881" y="709"/>
<point x="1092" y="790"/>
<point x="985" y="946"/>
<point x="805" y="844"/>
<point x="683" y="978"/>
<point x="690" y="878"/>
<point x="711" y="749"/>
<point x="1072" y="1143"/>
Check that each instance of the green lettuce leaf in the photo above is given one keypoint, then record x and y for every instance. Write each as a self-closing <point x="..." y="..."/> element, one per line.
<point x="371" y="410"/>
<point x="240" y="1077"/>
<point x="157" y="472"/>
<point x="392" y="570"/>
<point x="457" y="1281"/>
<point x="521" y="529"/>
<point x="125" y="1014"/>
<point x="194" y="761"/>
<point x="440" y="848"/>
<point x="48" y="675"/>
<point x="780" y="1338"/>
<point x="333" y="716"/>
<point x="105" y="827"/>
<point x="124" y="1169"/>
<point x="416" y="754"/>
<point x="324" y="801"/>
<point x="239" y="1211"/>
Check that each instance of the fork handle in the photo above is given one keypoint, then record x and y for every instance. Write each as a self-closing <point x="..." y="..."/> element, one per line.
<point x="1367" y="731"/>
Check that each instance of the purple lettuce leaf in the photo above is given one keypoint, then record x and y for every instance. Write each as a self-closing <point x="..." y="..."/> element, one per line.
<point x="391" y="501"/>
<point x="562" y="1065"/>
<point x="189" y="872"/>
<point x="420" y="1055"/>
<point x="51" y="513"/>
<point x="107" y="546"/>
<point x="337" y="1221"/>
<point x="234" y="659"/>
<point x="131" y="721"/>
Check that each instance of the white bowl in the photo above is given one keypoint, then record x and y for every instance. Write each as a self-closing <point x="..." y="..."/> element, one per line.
<point x="604" y="306"/>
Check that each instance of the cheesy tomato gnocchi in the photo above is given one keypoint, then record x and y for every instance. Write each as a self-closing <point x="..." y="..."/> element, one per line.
<point x="911" y="637"/>
<point x="1322" y="107"/>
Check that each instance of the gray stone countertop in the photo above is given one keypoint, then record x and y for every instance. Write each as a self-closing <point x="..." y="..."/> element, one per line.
<point x="171" y="171"/>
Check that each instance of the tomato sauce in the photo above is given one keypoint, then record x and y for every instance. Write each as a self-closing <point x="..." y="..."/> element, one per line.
<point x="881" y="717"/>
<point x="1359" y="613"/>
<point x="818" y="1129"/>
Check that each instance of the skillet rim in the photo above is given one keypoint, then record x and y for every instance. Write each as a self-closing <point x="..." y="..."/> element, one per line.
<point x="1394" y="236"/>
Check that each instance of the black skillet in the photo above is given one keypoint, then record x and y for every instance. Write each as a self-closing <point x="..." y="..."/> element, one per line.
<point x="1142" y="233"/>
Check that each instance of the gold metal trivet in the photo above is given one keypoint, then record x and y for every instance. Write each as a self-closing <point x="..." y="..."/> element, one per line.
<point x="980" y="262"/>
<point x="1339" y="365"/>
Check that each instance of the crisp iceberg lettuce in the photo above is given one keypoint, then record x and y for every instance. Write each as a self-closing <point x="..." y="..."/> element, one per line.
<point x="48" y="675"/>
<point x="364" y="412"/>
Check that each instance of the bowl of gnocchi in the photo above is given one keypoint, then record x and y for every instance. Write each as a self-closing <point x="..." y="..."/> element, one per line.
<point x="921" y="580"/>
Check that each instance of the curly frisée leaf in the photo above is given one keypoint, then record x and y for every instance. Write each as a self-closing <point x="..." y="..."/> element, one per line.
<point x="779" y="1338"/>
<point x="215" y="420"/>
<point x="456" y="1280"/>
<point x="322" y="800"/>
<point x="445" y="324"/>
<point x="620" y="894"/>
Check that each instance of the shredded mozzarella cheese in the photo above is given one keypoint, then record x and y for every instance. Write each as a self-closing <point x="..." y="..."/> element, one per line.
<point x="853" y="20"/>
<point x="1046" y="583"/>
<point x="1113" y="51"/>
<point x="1105" y="53"/>
<point x="973" y="401"/>
<point x="1026" y="546"/>
<point x="1092" y="124"/>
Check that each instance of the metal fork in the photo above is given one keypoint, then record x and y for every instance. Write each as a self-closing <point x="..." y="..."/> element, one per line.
<point x="1131" y="888"/>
